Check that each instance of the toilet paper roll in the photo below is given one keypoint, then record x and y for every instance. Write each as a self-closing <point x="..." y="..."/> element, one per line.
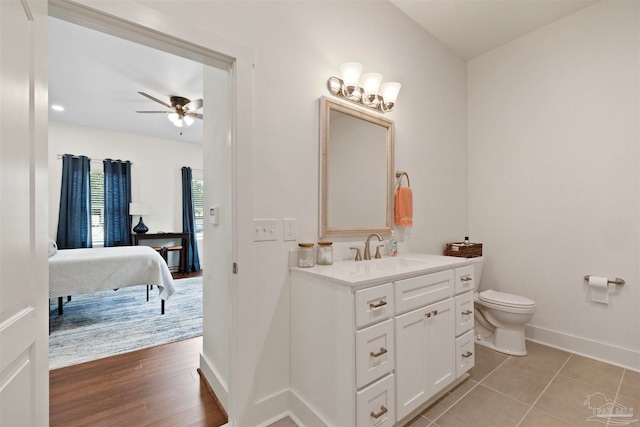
<point x="599" y="288"/>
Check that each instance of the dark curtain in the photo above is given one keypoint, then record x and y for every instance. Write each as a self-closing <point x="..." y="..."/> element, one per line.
<point x="74" y="217"/>
<point x="189" y="219"/>
<point x="117" y="196"/>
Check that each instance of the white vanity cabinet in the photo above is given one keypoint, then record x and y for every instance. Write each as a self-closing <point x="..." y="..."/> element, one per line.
<point x="370" y="352"/>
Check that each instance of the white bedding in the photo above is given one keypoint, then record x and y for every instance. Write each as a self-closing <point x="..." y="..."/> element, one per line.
<point x="82" y="271"/>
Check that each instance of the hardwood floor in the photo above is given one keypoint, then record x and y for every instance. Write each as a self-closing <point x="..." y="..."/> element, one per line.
<point x="159" y="386"/>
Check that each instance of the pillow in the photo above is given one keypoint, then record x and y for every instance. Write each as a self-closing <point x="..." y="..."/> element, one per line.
<point x="53" y="248"/>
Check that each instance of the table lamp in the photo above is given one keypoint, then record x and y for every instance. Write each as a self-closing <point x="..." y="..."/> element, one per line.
<point x="139" y="209"/>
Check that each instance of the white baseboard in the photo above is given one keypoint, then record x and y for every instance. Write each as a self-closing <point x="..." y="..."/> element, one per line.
<point x="623" y="357"/>
<point x="302" y="413"/>
<point x="216" y="382"/>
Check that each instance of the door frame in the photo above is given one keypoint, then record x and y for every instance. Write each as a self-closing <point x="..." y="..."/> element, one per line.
<point x="121" y="21"/>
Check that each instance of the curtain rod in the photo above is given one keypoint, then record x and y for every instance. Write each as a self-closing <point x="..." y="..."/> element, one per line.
<point x="59" y="157"/>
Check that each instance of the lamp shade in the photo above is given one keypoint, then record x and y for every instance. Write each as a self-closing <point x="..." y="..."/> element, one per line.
<point x="390" y="91"/>
<point x="371" y="83"/>
<point x="139" y="209"/>
<point x="188" y="120"/>
<point x="351" y="73"/>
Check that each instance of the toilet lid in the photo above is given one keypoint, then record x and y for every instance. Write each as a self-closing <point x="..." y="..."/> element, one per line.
<point x="506" y="299"/>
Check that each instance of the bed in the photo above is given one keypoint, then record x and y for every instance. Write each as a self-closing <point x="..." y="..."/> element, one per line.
<point x="82" y="271"/>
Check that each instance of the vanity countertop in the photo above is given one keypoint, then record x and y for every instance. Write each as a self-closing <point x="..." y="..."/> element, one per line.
<point x="358" y="273"/>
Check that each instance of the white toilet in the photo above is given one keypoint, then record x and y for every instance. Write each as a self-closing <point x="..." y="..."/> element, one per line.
<point x="500" y="317"/>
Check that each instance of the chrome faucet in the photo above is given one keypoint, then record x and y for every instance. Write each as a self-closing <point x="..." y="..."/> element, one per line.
<point x="367" y="251"/>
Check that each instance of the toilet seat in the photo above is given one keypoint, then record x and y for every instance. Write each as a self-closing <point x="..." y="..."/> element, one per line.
<point x="506" y="300"/>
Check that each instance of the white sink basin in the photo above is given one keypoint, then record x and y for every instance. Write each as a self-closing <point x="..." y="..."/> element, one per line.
<point x="376" y="267"/>
<point x="394" y="263"/>
<point x="391" y="268"/>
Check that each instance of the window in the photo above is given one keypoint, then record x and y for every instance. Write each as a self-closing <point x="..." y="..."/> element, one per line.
<point x="198" y="205"/>
<point x="96" y="180"/>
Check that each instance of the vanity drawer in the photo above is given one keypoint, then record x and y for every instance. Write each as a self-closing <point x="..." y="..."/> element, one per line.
<point x="464" y="279"/>
<point x="373" y="304"/>
<point x="374" y="352"/>
<point x="464" y="313"/>
<point x="423" y="290"/>
<point x="375" y="405"/>
<point x="465" y="353"/>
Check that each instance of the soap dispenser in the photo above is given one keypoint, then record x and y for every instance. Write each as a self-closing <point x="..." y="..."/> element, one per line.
<point x="393" y="244"/>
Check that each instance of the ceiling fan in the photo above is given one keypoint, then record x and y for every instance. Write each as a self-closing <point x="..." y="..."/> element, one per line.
<point x="181" y="111"/>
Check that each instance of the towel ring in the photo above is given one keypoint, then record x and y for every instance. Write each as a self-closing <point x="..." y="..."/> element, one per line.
<point x="400" y="174"/>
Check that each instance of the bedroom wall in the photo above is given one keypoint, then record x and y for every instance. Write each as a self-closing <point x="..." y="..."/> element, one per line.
<point x="554" y="179"/>
<point x="156" y="176"/>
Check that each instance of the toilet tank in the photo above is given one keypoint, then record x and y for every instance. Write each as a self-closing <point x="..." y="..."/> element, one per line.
<point x="477" y="272"/>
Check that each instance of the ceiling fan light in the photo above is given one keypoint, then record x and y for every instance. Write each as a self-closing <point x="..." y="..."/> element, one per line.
<point x="188" y="120"/>
<point x="177" y="123"/>
<point x="174" y="117"/>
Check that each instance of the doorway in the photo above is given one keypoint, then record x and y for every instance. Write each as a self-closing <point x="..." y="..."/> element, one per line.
<point x="219" y="165"/>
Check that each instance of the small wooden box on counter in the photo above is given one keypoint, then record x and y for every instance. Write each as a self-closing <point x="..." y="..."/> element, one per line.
<point x="459" y="249"/>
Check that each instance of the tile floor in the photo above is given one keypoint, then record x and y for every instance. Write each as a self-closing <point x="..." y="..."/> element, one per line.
<point x="546" y="388"/>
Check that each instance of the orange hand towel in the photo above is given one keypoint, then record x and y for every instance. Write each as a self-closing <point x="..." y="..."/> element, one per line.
<point x="404" y="207"/>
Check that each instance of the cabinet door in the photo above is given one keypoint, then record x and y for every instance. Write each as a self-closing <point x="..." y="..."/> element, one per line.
<point x="412" y="382"/>
<point x="441" y="357"/>
<point x="425" y="354"/>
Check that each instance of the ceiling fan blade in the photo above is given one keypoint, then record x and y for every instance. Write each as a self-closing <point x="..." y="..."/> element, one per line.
<point x="196" y="115"/>
<point x="194" y="105"/>
<point x="163" y="112"/>
<point x="155" y="99"/>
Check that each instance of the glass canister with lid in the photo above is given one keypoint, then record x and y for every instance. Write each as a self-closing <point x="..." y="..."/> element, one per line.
<point x="325" y="253"/>
<point x="306" y="256"/>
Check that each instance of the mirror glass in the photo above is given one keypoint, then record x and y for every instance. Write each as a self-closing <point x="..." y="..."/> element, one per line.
<point x="356" y="167"/>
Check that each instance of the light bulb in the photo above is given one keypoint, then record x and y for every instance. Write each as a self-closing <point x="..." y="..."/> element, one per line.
<point x="173" y="117"/>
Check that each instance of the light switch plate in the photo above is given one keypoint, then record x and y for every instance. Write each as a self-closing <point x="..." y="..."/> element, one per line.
<point x="214" y="215"/>
<point x="265" y="230"/>
<point x="289" y="229"/>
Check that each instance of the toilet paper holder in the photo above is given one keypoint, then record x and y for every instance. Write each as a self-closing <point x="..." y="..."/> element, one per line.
<point x="618" y="281"/>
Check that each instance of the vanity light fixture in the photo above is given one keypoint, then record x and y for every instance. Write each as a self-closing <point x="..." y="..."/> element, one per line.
<point x="366" y="90"/>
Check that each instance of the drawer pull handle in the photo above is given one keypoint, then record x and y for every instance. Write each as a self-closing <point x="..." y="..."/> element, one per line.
<point x="378" y="305"/>
<point x="383" y="411"/>
<point x="467" y="354"/>
<point x="435" y="312"/>
<point x="468" y="312"/>
<point x="466" y="279"/>
<point x="428" y="314"/>
<point x="380" y="353"/>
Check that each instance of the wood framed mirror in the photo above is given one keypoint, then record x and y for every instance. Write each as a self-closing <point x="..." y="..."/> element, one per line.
<point x="356" y="171"/>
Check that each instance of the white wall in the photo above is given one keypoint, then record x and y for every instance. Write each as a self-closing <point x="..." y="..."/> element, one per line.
<point x="553" y="175"/>
<point x="156" y="170"/>
<point x="298" y="46"/>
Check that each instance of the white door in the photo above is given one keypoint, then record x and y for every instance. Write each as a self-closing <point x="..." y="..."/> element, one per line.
<point x="24" y="273"/>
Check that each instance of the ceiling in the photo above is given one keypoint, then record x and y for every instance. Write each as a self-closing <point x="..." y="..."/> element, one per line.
<point x="473" y="27"/>
<point x="96" y="77"/>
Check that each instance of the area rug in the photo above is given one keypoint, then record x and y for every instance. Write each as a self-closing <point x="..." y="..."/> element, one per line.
<point x="107" y="323"/>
